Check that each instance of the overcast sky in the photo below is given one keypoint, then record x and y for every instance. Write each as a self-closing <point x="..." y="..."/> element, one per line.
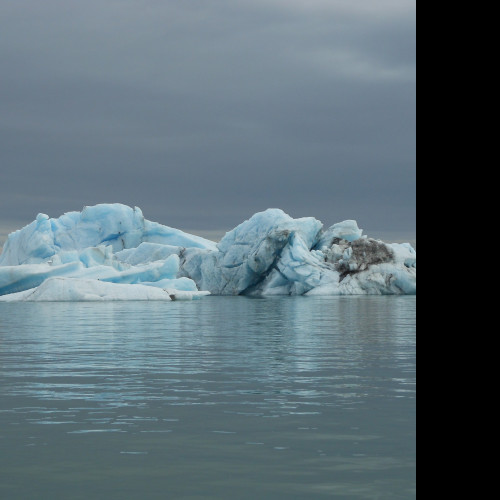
<point x="203" y="112"/>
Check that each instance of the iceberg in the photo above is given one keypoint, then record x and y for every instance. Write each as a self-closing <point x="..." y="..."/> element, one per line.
<point x="84" y="254"/>
<point x="273" y="254"/>
<point x="15" y="279"/>
<point x="249" y="253"/>
<point x="82" y="290"/>
<point x="116" y="226"/>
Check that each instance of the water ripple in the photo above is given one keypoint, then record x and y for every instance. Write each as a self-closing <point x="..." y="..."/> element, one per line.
<point x="327" y="385"/>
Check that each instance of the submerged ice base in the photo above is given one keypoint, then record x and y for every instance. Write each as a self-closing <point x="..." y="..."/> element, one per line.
<point x="270" y="254"/>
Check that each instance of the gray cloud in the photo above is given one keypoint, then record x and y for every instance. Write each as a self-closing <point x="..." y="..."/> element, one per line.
<point x="203" y="112"/>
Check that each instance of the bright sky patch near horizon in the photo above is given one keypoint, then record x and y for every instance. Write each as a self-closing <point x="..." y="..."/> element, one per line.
<point x="205" y="112"/>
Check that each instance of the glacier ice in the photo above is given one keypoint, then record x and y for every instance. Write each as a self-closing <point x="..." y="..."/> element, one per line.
<point x="249" y="252"/>
<point x="90" y="290"/>
<point x="19" y="278"/>
<point x="347" y="230"/>
<point x="270" y="254"/>
<point x="116" y="226"/>
<point x="273" y="254"/>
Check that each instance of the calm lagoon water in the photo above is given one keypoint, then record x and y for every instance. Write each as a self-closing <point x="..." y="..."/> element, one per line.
<point x="225" y="398"/>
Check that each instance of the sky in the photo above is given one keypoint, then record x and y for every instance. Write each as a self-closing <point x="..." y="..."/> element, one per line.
<point x="203" y="112"/>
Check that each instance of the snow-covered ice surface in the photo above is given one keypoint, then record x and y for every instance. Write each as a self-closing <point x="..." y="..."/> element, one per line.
<point x="84" y="254"/>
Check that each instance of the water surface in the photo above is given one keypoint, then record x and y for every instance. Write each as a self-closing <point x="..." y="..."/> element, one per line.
<point x="225" y="398"/>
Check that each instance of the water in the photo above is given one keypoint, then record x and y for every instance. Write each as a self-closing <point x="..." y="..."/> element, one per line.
<point x="225" y="398"/>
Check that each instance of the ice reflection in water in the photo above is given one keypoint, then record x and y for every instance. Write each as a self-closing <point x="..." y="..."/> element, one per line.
<point x="222" y="398"/>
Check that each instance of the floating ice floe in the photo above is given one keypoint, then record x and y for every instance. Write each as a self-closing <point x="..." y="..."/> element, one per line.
<point x="270" y="254"/>
<point x="86" y="290"/>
